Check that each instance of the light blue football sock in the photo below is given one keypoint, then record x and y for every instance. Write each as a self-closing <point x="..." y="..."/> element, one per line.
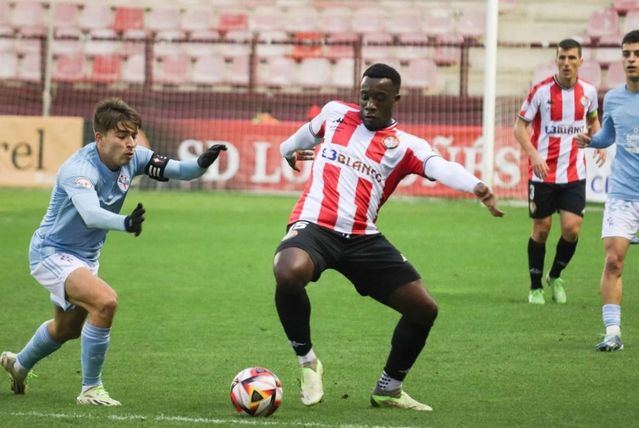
<point x="611" y="316"/>
<point x="40" y="345"/>
<point x="95" y="342"/>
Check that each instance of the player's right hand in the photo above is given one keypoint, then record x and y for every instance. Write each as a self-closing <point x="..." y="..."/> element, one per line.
<point x="133" y="222"/>
<point x="538" y="165"/>
<point x="583" y="140"/>
<point x="487" y="198"/>
<point x="300" y="155"/>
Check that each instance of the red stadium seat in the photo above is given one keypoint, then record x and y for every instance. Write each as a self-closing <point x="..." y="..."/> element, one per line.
<point x="173" y="69"/>
<point x="8" y="65"/>
<point x="65" y="15"/>
<point x="102" y="41"/>
<point x="342" y="73"/>
<point x="336" y="19"/>
<point x="471" y="24"/>
<point x="128" y="18"/>
<point x="67" y="41"/>
<point x="30" y="68"/>
<point x="133" y="69"/>
<point x="27" y="14"/>
<point x="106" y="68"/>
<point x="420" y="74"/>
<point x="340" y="45"/>
<point x="404" y="21"/>
<point x="196" y="19"/>
<point x="209" y="70"/>
<point x="368" y="20"/>
<point x="603" y="23"/>
<point x="615" y="76"/>
<point x="308" y="45"/>
<point x="69" y="68"/>
<point x="313" y="73"/>
<point x="278" y="71"/>
<point x="232" y="20"/>
<point x="590" y="71"/>
<point x="95" y="15"/>
<point x="377" y="45"/>
<point x="163" y="19"/>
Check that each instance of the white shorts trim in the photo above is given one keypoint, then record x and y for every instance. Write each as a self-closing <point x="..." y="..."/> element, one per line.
<point x="620" y="219"/>
<point x="53" y="271"/>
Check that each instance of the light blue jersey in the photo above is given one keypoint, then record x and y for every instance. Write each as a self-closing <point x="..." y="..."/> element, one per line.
<point x="84" y="175"/>
<point x="621" y="126"/>
<point x="86" y="201"/>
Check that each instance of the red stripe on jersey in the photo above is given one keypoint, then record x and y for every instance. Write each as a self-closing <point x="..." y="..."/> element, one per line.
<point x="376" y="149"/>
<point x="330" y="201"/>
<point x="320" y="133"/>
<point x="579" y="107"/>
<point x="362" y="200"/>
<point x="409" y="164"/>
<point x="556" y="103"/>
<point x="573" y="175"/>
<point x="552" y="158"/>
<point x="346" y="128"/>
<point x="299" y="205"/>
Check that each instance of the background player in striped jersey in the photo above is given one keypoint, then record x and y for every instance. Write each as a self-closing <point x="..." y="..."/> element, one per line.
<point x="362" y="158"/>
<point x="558" y="108"/>
<point x="87" y="196"/>
<point x="621" y="214"/>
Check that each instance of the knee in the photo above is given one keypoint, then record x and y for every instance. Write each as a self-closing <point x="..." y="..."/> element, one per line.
<point x="291" y="276"/>
<point x="571" y="234"/>
<point x="614" y="265"/>
<point x="427" y="313"/>
<point x="106" y="306"/>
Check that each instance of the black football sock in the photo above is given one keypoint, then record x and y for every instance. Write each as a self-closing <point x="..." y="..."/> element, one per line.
<point x="294" y="310"/>
<point x="408" y="341"/>
<point x="536" y="255"/>
<point x="565" y="251"/>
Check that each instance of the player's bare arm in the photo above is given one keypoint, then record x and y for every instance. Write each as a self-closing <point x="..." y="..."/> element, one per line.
<point x="522" y="135"/>
<point x="593" y="127"/>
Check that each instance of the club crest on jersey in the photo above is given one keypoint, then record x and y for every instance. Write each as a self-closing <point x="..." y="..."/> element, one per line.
<point x="83" y="182"/>
<point x="584" y="101"/>
<point x="123" y="182"/>
<point x="390" y="142"/>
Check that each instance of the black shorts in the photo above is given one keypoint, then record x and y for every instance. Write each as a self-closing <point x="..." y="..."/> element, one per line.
<point x="544" y="199"/>
<point x="370" y="262"/>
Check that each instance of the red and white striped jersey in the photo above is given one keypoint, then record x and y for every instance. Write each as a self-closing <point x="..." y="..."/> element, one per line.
<point x="557" y="115"/>
<point x="355" y="170"/>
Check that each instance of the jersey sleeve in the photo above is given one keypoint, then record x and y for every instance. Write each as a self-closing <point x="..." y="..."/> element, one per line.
<point x="332" y="108"/>
<point x="530" y="106"/>
<point x="418" y="153"/>
<point x="593" y="99"/>
<point x="77" y="178"/>
<point x="142" y="158"/>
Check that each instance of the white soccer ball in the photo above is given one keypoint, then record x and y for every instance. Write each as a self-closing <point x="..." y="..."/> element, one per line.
<point x="256" y="391"/>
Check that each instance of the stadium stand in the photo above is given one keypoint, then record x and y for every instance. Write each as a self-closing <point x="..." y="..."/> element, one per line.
<point x="8" y="65"/>
<point x="94" y="16"/>
<point x="615" y="76"/>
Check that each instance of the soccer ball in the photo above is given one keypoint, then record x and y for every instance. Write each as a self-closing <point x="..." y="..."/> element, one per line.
<point x="256" y="391"/>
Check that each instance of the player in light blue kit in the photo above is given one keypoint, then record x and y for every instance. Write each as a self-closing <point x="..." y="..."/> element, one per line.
<point x="621" y="215"/>
<point x="88" y="194"/>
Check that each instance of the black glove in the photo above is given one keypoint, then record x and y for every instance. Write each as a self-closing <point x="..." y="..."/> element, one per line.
<point x="133" y="222"/>
<point x="207" y="158"/>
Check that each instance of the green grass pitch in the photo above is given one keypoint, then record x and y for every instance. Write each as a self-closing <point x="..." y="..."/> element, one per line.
<point x="196" y="307"/>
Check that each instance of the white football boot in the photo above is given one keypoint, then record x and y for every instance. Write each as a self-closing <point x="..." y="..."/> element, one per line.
<point x="97" y="396"/>
<point x="311" y="388"/>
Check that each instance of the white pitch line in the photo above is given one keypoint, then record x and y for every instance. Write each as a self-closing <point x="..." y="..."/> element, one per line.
<point x="191" y="420"/>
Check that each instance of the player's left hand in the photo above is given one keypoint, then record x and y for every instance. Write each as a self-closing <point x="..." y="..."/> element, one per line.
<point x="600" y="157"/>
<point x="582" y="140"/>
<point x="487" y="198"/>
<point x="300" y="155"/>
<point x="207" y="158"/>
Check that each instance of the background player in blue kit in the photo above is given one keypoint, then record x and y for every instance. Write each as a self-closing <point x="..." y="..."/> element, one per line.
<point x="621" y="215"/>
<point x="87" y="196"/>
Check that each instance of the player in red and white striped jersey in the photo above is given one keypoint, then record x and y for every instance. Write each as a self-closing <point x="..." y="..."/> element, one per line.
<point x="558" y="109"/>
<point x="361" y="159"/>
